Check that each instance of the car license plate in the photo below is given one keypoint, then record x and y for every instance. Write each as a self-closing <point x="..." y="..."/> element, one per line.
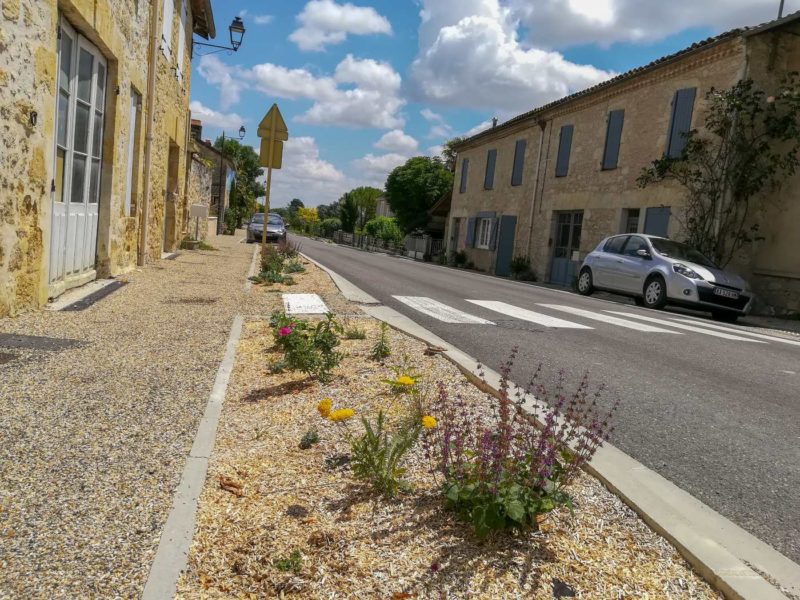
<point x="726" y="293"/>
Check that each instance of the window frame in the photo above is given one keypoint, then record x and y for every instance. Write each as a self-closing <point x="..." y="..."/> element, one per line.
<point x="518" y="168"/>
<point x="483" y="229"/>
<point x="567" y="132"/>
<point x="491" y="165"/>
<point x="462" y="186"/>
<point x="609" y="163"/>
<point x="166" y="28"/>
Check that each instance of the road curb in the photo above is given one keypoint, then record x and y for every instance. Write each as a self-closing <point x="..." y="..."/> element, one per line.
<point x="348" y="290"/>
<point x="736" y="563"/>
<point x="252" y="271"/>
<point x="173" y="549"/>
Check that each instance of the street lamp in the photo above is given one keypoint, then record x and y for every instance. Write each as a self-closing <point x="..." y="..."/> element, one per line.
<point x="221" y="185"/>
<point x="236" y="29"/>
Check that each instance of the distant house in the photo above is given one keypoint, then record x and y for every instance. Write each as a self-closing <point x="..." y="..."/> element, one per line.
<point x="222" y="175"/>
<point x="382" y="209"/>
<point x="551" y="183"/>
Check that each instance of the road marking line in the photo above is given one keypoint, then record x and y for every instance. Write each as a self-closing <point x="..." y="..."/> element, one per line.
<point x="609" y="319"/>
<point x="760" y="336"/>
<point x="528" y="315"/>
<point x="726" y="336"/>
<point x="440" y="311"/>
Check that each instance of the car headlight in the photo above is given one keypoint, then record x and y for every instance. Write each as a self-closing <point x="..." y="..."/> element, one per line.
<point x="685" y="271"/>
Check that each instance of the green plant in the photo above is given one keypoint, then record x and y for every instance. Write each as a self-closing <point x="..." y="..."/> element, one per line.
<point x="354" y="332"/>
<point x="288" y="280"/>
<point x="384" y="228"/>
<point x="307" y="348"/>
<point x="288" y="249"/>
<point x="459" y="258"/>
<point x="294" y="266"/>
<point x="271" y="277"/>
<point x="292" y="563"/>
<point x="276" y="367"/>
<point x="204" y="246"/>
<point x="272" y="259"/>
<point x="309" y="438"/>
<point x="381" y="349"/>
<point x="329" y="225"/>
<point x="519" y="264"/>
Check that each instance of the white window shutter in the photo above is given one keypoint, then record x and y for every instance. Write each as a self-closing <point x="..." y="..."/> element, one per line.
<point x="166" y="28"/>
<point x="181" y="39"/>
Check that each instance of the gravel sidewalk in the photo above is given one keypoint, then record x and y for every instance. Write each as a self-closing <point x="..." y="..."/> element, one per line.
<point x="94" y="435"/>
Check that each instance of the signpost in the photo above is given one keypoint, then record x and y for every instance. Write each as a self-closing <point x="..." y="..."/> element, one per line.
<point x="273" y="132"/>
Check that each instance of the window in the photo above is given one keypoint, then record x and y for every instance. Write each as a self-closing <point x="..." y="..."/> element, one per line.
<point x="630" y="220"/>
<point x="166" y="28"/>
<point x="464" y="174"/>
<point x="519" y="162"/>
<point x="568" y="233"/>
<point x="491" y="160"/>
<point x="613" y="137"/>
<point x="635" y="243"/>
<point x="656" y="221"/>
<point x="181" y="40"/>
<point x="564" y="147"/>
<point x="680" y="122"/>
<point x="484" y="233"/>
<point x="133" y="153"/>
<point x="614" y="245"/>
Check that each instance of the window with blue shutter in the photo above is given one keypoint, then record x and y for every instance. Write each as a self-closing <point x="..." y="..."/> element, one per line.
<point x="519" y="162"/>
<point x="488" y="178"/>
<point x="613" y="137"/>
<point x="464" y="170"/>
<point x="564" y="147"/>
<point x="681" y="121"/>
<point x="470" y="241"/>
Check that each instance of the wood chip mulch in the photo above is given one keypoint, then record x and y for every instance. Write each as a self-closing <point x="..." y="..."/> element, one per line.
<point x="279" y="521"/>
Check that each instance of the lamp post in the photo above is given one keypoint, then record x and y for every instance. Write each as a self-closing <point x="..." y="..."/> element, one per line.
<point x="221" y="185"/>
<point x="236" y="30"/>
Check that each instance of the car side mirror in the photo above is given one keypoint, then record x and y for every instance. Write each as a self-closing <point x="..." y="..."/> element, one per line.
<point x="642" y="253"/>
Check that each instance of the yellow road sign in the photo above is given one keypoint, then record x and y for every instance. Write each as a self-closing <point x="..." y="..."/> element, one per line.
<point x="266" y="128"/>
<point x="277" y="154"/>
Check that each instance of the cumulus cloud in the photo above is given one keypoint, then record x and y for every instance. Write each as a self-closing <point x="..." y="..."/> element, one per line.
<point x="263" y="19"/>
<point x="324" y="22"/>
<point x="397" y="141"/>
<point x="439" y="127"/>
<point x="361" y="92"/>
<point x="215" y="118"/>
<point x="374" y="169"/>
<point x="470" y="56"/>
<point x="306" y="175"/>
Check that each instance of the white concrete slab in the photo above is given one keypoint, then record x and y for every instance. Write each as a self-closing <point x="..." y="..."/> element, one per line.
<point x="304" y="304"/>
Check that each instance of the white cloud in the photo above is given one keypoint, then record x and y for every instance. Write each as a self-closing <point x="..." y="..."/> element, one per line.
<point x="470" y="56"/>
<point x="215" y="72"/>
<point x="368" y="74"/>
<point x="263" y="19"/>
<point x="478" y="128"/>
<point x="397" y="141"/>
<point x="439" y="127"/>
<point x="435" y="150"/>
<point x="325" y="22"/>
<point x="215" y="118"/>
<point x="304" y="174"/>
<point x="374" y="169"/>
<point x="275" y="80"/>
<point x="560" y="23"/>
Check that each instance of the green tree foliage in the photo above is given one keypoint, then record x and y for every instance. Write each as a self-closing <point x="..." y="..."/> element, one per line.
<point x="384" y="228"/>
<point x="329" y="225"/>
<point x="328" y="211"/>
<point x="449" y="154"/>
<point x="348" y="213"/>
<point x="413" y="188"/>
<point x="246" y="186"/>
<point x="366" y="199"/>
<point x="749" y="145"/>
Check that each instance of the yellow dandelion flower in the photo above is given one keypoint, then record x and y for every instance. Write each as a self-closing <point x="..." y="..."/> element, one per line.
<point x="342" y="414"/>
<point x="405" y="380"/>
<point x="324" y="407"/>
<point x="428" y="422"/>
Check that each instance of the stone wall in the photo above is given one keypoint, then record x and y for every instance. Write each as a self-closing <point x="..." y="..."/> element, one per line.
<point x="198" y="191"/>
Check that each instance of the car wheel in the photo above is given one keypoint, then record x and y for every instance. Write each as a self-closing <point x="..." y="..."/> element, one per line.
<point x="585" y="283"/>
<point x="655" y="292"/>
<point x="638" y="301"/>
<point x="724" y="315"/>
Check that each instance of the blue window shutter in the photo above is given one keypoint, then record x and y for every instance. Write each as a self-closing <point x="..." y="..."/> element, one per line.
<point x="493" y="234"/>
<point x="464" y="174"/>
<point x="681" y="121"/>
<point x="470" y="241"/>
<point x="564" y="147"/>
<point x="488" y="179"/>
<point x="613" y="137"/>
<point x="519" y="162"/>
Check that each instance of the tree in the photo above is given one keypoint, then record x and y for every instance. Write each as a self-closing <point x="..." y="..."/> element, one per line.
<point x="413" y="188"/>
<point x="246" y="187"/>
<point x="308" y="217"/>
<point x="449" y="154"/>
<point x="384" y="228"/>
<point x="328" y="211"/>
<point x="348" y="213"/>
<point x="295" y="204"/>
<point x="749" y="146"/>
<point x="366" y="199"/>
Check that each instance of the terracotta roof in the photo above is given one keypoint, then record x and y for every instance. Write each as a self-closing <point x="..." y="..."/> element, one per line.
<point x="703" y="44"/>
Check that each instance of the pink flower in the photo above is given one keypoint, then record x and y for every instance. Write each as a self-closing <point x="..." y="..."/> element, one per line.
<point x="284" y="331"/>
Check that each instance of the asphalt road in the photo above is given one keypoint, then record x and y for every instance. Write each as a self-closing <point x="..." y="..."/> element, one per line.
<point x="718" y="417"/>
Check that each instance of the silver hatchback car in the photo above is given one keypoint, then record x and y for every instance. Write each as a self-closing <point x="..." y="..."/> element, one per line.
<point x="657" y="271"/>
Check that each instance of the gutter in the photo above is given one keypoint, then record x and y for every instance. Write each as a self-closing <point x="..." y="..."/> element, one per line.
<point x="542" y="126"/>
<point x="148" y="139"/>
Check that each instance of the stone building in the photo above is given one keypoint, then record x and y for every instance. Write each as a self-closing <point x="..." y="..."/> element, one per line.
<point x="551" y="183"/>
<point x="94" y="118"/>
<point x="209" y="168"/>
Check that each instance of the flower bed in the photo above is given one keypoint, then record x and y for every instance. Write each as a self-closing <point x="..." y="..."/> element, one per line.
<point x="282" y="513"/>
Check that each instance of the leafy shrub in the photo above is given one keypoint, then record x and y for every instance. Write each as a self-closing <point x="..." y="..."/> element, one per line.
<point x="309" y="438"/>
<point x="501" y="470"/>
<point x="294" y="266"/>
<point x="292" y="563"/>
<point x="460" y="258"/>
<point x="272" y="277"/>
<point x="307" y="348"/>
<point x="381" y="349"/>
<point x="271" y="260"/>
<point x="288" y="280"/>
<point x="288" y="249"/>
<point x="355" y="333"/>
<point x="327" y="227"/>
<point x="384" y="228"/>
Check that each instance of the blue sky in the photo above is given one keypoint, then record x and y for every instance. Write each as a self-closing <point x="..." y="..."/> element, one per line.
<point x="365" y="85"/>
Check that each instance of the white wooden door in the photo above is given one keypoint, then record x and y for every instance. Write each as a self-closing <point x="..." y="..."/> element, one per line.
<point x="78" y="155"/>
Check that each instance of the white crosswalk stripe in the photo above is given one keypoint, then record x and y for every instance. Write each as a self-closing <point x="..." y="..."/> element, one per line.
<point x="528" y="315"/>
<point x="440" y="311"/>
<point x="609" y="319"/>
<point x="761" y="336"/>
<point x="711" y="332"/>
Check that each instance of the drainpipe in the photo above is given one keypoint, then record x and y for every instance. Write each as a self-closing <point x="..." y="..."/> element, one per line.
<point x="148" y="139"/>
<point x="542" y="126"/>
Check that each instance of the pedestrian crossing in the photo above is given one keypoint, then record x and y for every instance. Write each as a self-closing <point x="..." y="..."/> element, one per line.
<point x="567" y="317"/>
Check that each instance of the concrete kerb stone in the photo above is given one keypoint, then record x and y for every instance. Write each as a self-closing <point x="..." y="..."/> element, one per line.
<point x="348" y="290"/>
<point x="252" y="271"/>
<point x="173" y="549"/>
<point x="718" y="549"/>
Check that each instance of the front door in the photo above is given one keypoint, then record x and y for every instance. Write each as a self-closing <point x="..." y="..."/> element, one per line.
<point x="567" y="244"/>
<point x="505" y="245"/>
<point x="78" y="157"/>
